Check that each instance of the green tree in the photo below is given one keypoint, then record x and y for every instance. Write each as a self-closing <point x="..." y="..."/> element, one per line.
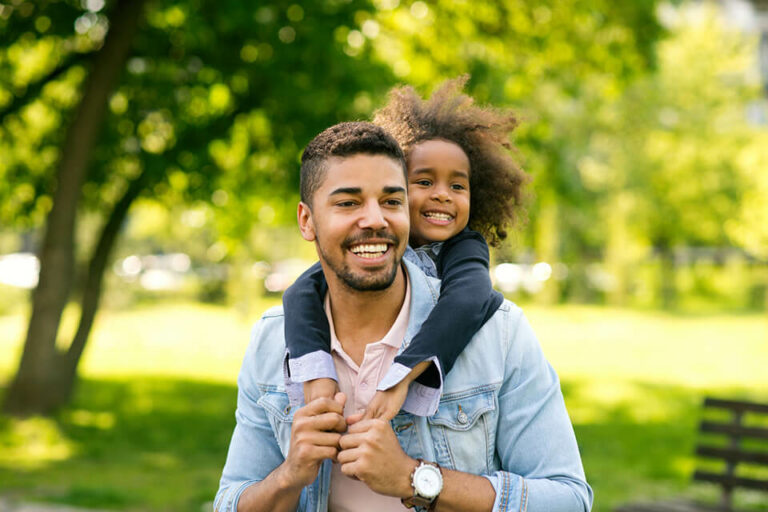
<point x="560" y="64"/>
<point x="683" y="156"/>
<point x="213" y="96"/>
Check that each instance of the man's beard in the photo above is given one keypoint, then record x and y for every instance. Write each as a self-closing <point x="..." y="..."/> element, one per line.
<point x="365" y="281"/>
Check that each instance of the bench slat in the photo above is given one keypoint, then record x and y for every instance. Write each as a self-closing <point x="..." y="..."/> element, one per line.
<point x="731" y="481"/>
<point x="735" y="430"/>
<point x="671" y="506"/>
<point x="735" y="405"/>
<point x="732" y="454"/>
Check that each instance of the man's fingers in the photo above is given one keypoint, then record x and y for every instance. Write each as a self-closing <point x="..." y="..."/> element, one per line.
<point x="320" y="406"/>
<point x="319" y="438"/>
<point x="341" y="399"/>
<point x="318" y="453"/>
<point x="350" y="469"/>
<point x="349" y="441"/>
<point x="354" y="418"/>
<point x="364" y="425"/>
<point x="329" y="421"/>
<point x="346" y="456"/>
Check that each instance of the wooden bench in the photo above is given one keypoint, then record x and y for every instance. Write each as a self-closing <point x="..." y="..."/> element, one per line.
<point x="733" y="452"/>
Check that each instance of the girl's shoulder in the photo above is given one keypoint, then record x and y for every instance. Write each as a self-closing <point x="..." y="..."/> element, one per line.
<point x="425" y="257"/>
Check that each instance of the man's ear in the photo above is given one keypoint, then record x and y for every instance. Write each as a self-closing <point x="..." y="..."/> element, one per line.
<point x="306" y="225"/>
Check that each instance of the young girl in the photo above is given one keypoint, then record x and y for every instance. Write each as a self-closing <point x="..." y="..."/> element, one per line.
<point x="454" y="150"/>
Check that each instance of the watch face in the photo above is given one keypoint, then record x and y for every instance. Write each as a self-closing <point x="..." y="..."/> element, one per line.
<point x="428" y="481"/>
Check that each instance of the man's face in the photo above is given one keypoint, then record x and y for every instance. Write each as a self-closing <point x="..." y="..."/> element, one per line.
<point x="359" y="221"/>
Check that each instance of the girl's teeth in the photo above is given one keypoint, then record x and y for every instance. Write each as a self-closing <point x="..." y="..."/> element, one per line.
<point x="438" y="216"/>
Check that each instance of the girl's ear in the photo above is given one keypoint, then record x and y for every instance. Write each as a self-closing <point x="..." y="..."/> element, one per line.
<point x="306" y="225"/>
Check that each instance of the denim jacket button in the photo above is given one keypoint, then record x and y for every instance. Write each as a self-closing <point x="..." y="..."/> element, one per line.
<point x="462" y="417"/>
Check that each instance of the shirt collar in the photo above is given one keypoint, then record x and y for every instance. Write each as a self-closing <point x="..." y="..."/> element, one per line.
<point x="396" y="333"/>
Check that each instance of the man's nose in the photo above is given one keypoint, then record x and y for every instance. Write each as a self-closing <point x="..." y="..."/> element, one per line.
<point x="372" y="217"/>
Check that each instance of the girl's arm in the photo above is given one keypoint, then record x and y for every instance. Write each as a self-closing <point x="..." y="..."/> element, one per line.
<point x="467" y="300"/>
<point x="307" y="335"/>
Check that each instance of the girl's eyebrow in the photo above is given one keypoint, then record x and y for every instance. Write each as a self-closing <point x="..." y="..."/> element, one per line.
<point x="460" y="174"/>
<point x="422" y="170"/>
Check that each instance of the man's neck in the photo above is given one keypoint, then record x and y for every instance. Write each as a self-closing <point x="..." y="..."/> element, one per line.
<point x="360" y="318"/>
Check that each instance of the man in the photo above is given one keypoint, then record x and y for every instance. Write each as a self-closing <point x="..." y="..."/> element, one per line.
<point x="501" y="438"/>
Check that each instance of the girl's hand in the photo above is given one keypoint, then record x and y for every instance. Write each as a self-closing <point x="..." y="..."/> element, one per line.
<point x="386" y="404"/>
<point x="320" y="388"/>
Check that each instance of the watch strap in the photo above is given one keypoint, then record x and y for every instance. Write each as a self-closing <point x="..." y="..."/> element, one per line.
<point x="421" y="501"/>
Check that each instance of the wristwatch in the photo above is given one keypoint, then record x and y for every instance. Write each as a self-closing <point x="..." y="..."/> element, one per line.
<point x="427" y="482"/>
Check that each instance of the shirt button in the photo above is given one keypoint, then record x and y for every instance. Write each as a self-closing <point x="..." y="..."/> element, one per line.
<point x="462" y="417"/>
<point x="363" y="385"/>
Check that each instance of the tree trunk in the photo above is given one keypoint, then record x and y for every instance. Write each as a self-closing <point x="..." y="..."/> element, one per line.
<point x="548" y="246"/>
<point x="92" y="289"/>
<point x="618" y="249"/>
<point x="667" y="277"/>
<point x="40" y="370"/>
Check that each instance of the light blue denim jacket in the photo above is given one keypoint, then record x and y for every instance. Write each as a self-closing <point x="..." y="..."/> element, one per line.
<point x="501" y="415"/>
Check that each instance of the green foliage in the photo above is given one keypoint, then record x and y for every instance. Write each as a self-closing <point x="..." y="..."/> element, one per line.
<point x="217" y="96"/>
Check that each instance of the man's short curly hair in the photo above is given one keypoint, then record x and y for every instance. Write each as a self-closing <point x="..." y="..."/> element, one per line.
<point x="495" y="181"/>
<point x="342" y="140"/>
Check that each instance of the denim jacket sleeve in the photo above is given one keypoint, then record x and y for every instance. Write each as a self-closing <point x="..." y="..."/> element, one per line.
<point x="540" y="461"/>
<point x="254" y="451"/>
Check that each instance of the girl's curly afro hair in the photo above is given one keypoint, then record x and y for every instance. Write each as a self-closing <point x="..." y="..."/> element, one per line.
<point x="496" y="182"/>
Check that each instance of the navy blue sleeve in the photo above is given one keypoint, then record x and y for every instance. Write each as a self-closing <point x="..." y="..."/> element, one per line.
<point x="467" y="300"/>
<point x="306" y="326"/>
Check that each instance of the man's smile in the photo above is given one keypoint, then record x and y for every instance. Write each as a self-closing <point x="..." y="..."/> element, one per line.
<point x="370" y="250"/>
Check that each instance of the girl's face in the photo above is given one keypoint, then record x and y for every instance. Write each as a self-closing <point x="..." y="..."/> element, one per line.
<point x="438" y="191"/>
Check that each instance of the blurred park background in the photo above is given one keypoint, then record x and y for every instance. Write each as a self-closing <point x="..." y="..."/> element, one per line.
<point x="148" y="183"/>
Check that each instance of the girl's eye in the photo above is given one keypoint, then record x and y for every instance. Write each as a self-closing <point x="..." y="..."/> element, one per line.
<point x="423" y="183"/>
<point x="458" y="186"/>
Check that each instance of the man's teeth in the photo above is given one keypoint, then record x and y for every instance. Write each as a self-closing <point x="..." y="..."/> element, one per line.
<point x="369" y="250"/>
<point x="438" y="216"/>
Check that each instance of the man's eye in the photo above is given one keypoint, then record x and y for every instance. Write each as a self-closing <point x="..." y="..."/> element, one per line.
<point x="345" y="204"/>
<point x="394" y="202"/>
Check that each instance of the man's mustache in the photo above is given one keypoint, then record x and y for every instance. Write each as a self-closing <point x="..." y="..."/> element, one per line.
<point x="366" y="236"/>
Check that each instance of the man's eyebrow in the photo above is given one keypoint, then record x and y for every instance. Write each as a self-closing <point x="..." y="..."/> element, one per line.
<point x="347" y="190"/>
<point x="393" y="190"/>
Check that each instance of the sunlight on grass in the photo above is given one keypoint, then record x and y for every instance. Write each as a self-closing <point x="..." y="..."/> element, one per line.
<point x="32" y="443"/>
<point x="155" y="409"/>
<point x="700" y="352"/>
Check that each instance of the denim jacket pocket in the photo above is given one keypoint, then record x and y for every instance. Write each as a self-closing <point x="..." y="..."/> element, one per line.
<point x="280" y="414"/>
<point x="465" y="426"/>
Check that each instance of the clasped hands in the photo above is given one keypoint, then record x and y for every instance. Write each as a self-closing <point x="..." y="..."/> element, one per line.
<point x="364" y="444"/>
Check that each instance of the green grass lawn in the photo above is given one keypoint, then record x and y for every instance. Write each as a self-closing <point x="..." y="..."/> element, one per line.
<point x="152" y="417"/>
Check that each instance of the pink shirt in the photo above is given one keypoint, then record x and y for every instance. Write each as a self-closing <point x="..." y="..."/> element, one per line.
<point x="359" y="384"/>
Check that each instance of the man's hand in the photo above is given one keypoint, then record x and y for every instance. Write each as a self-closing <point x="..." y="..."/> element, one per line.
<point x="320" y="388"/>
<point x="386" y="404"/>
<point x="315" y="435"/>
<point x="371" y="453"/>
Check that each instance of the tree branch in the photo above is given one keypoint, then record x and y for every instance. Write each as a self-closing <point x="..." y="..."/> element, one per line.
<point x="34" y="89"/>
